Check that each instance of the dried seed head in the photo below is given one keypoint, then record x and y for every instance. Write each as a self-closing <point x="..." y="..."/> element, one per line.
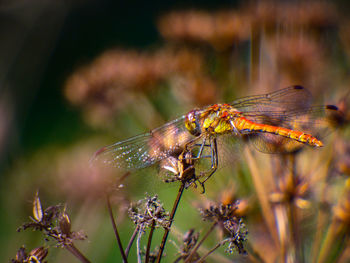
<point x="238" y="235"/>
<point x="147" y="211"/>
<point x="296" y="191"/>
<point x="219" y="213"/>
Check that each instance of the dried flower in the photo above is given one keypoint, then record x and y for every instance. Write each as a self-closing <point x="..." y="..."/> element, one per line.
<point x="289" y="190"/>
<point x="54" y="224"/>
<point x="111" y="80"/>
<point x="225" y="216"/>
<point x="313" y="14"/>
<point x="220" y="29"/>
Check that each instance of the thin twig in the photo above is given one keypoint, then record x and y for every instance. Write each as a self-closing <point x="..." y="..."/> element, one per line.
<point x="209" y="252"/>
<point x="127" y="250"/>
<point x="138" y="245"/>
<point x="76" y="252"/>
<point x="188" y="259"/>
<point x="166" y="232"/>
<point x="150" y="241"/>
<point x="120" y="245"/>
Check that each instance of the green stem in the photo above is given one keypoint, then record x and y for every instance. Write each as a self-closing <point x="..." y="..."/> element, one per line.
<point x="172" y="214"/>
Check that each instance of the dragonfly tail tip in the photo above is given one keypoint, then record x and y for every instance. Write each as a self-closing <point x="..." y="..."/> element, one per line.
<point x="331" y="107"/>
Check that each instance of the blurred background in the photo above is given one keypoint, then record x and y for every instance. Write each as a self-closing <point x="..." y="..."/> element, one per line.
<point x="77" y="75"/>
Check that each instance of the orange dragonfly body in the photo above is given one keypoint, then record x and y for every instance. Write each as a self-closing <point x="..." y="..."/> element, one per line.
<point x="223" y="118"/>
<point x="277" y="122"/>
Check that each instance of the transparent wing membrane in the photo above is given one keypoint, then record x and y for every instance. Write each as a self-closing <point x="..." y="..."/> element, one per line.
<point x="146" y="149"/>
<point x="291" y="98"/>
<point x="272" y="113"/>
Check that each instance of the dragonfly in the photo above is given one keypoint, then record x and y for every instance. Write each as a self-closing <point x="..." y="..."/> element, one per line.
<point x="282" y="121"/>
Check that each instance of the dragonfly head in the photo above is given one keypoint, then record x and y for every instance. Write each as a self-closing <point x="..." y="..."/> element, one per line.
<point x="192" y="123"/>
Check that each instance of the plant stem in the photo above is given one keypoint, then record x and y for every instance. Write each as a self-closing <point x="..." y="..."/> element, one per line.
<point x="138" y="245"/>
<point x="76" y="252"/>
<point x="150" y="240"/>
<point x="263" y="194"/>
<point x="120" y="245"/>
<point x="172" y="214"/>
<point x="209" y="252"/>
<point x="131" y="241"/>
<point x="293" y="215"/>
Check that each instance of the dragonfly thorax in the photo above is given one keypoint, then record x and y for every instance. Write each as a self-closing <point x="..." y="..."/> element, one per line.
<point x="219" y="119"/>
<point x="215" y="120"/>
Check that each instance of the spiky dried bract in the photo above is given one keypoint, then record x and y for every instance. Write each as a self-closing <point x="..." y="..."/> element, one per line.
<point x="147" y="211"/>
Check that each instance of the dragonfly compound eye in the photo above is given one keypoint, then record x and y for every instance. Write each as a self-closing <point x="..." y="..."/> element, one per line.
<point x="192" y="123"/>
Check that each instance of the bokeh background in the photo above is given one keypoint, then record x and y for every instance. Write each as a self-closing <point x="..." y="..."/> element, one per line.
<point x="76" y="75"/>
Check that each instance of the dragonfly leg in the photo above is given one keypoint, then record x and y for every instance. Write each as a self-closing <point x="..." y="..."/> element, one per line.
<point x="214" y="162"/>
<point x="186" y="157"/>
<point x="189" y="147"/>
<point x="199" y="155"/>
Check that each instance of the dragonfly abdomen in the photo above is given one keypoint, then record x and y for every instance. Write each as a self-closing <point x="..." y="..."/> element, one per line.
<point x="245" y="126"/>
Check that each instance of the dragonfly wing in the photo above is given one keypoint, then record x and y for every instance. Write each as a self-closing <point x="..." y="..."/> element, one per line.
<point x="146" y="149"/>
<point x="288" y="108"/>
<point x="291" y="98"/>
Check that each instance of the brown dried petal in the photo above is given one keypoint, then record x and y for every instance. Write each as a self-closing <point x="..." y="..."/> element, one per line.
<point x="21" y="254"/>
<point x="37" y="209"/>
<point x="65" y="224"/>
<point x="38" y="254"/>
